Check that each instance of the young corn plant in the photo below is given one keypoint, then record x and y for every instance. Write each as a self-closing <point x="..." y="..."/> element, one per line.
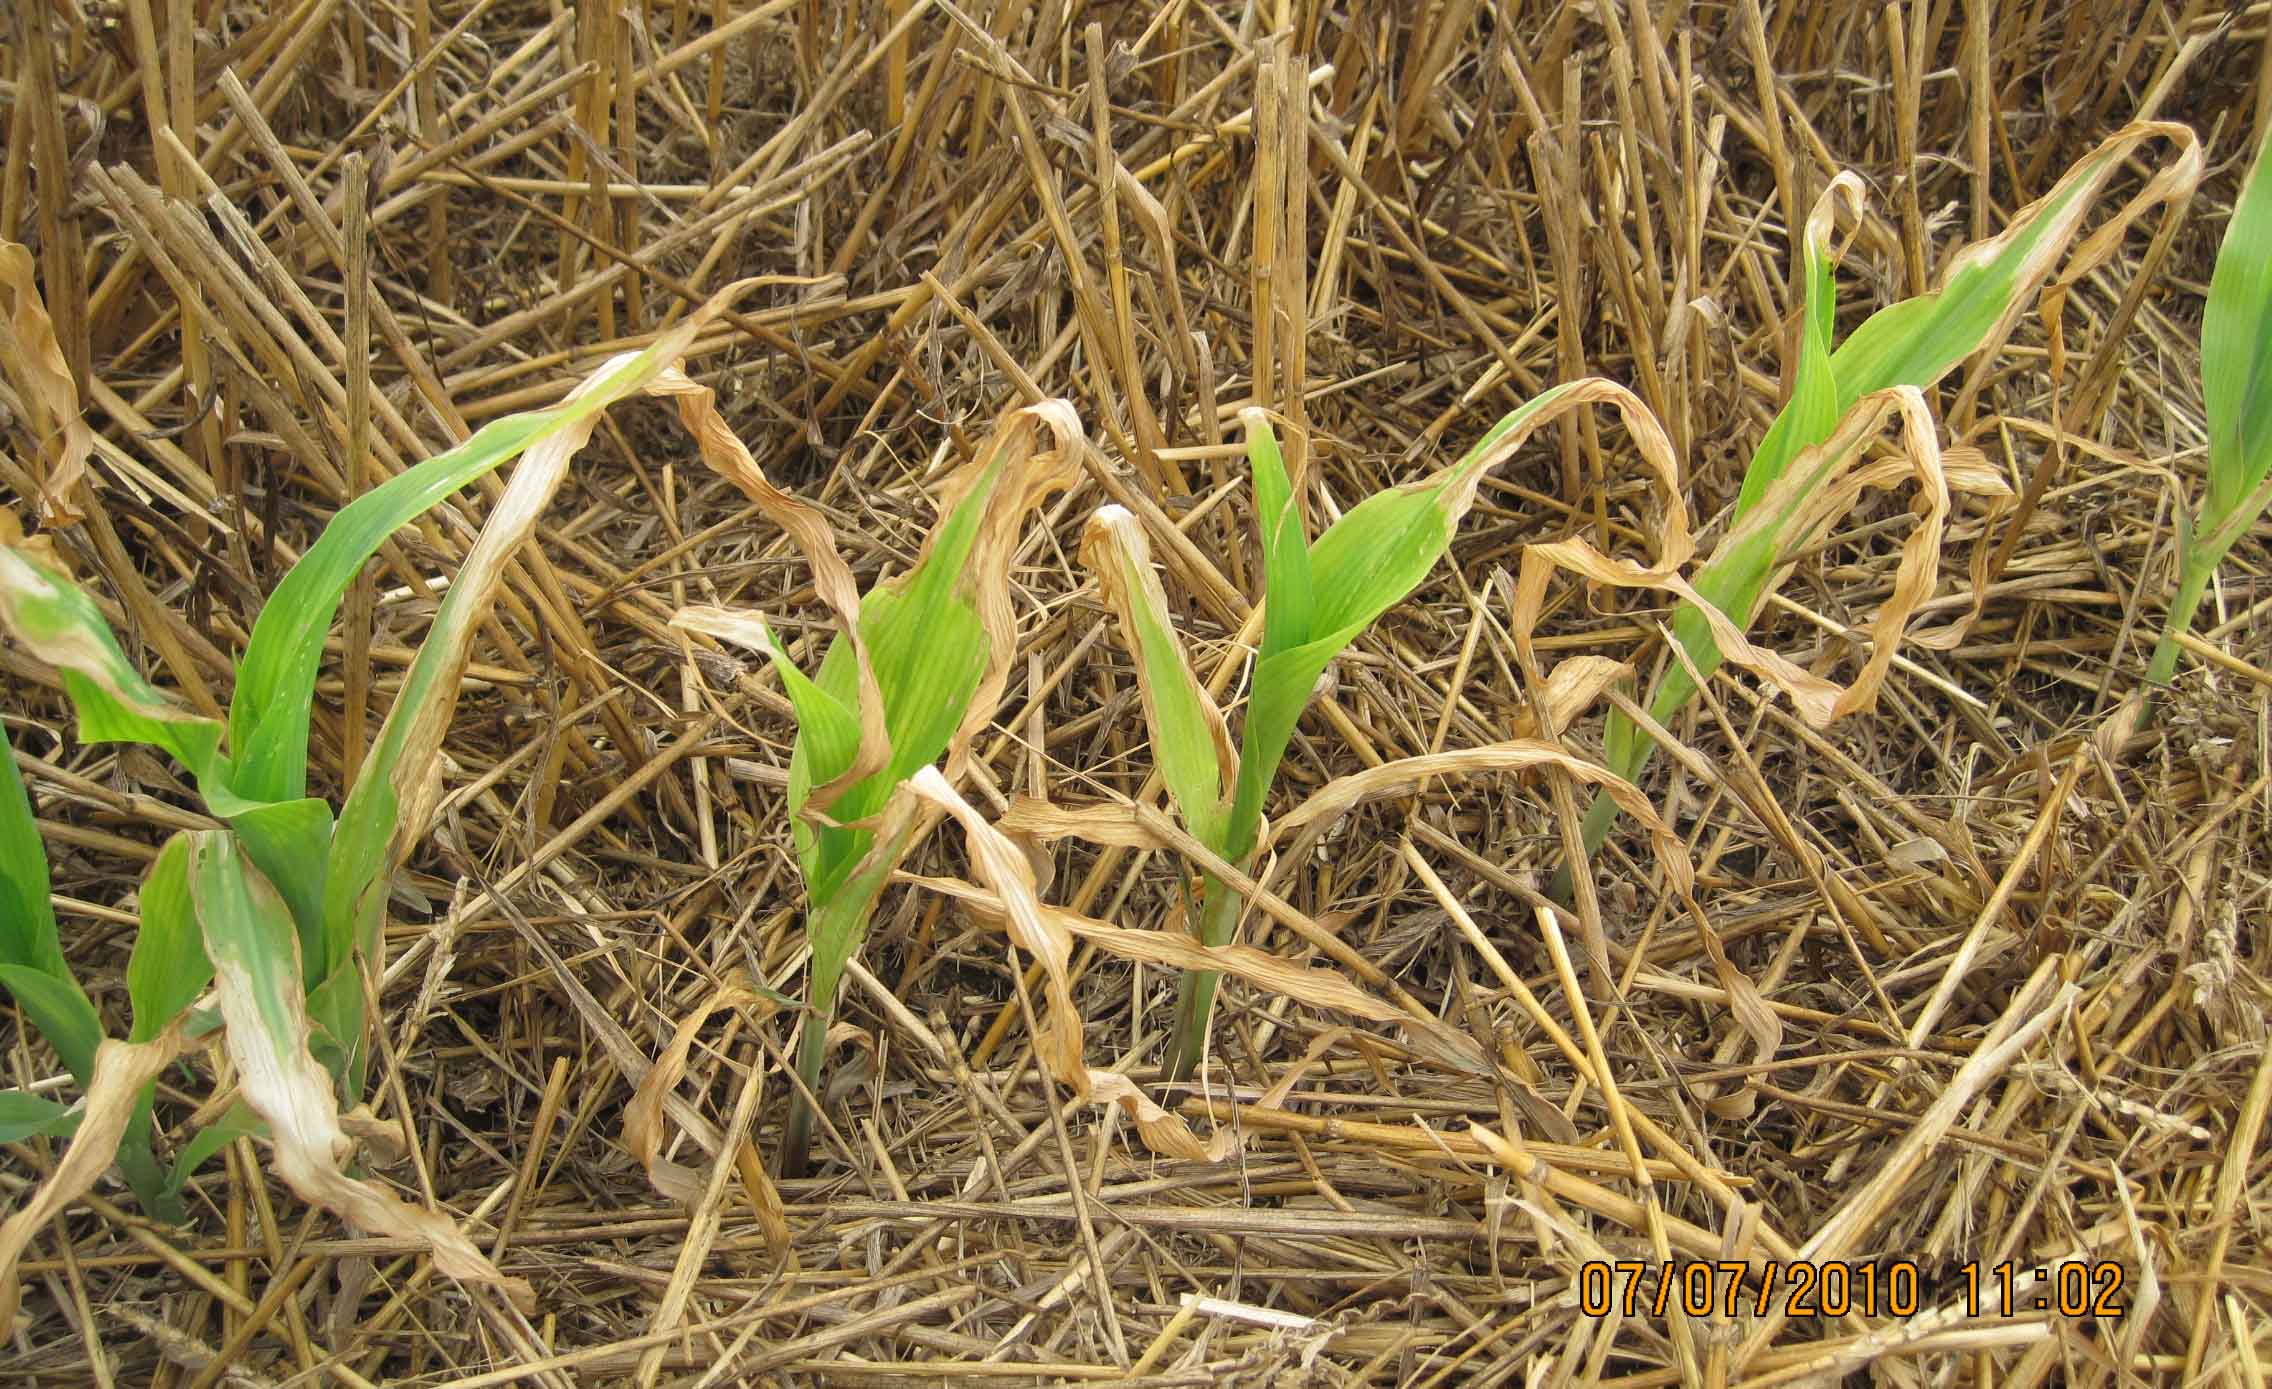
<point x="913" y="673"/>
<point x="1317" y="599"/>
<point x="2236" y="390"/>
<point x="280" y="910"/>
<point x="1812" y="450"/>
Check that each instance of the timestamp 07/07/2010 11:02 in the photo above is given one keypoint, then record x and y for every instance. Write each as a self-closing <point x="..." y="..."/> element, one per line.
<point x="1837" y="1288"/>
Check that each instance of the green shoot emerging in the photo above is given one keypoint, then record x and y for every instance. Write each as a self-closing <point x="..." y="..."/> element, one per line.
<point x="914" y="672"/>
<point x="1818" y="440"/>
<point x="1318" y="597"/>
<point x="2236" y="389"/>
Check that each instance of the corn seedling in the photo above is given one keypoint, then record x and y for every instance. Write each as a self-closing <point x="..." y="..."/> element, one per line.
<point x="2236" y="391"/>
<point x="1317" y="598"/>
<point x="1809" y="468"/>
<point x="280" y="910"/>
<point x="914" y="671"/>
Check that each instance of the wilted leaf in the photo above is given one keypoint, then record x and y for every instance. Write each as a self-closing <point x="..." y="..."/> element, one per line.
<point x="1104" y="824"/>
<point x="35" y="363"/>
<point x="1343" y="794"/>
<point x="643" y="1116"/>
<point x="400" y="784"/>
<point x="256" y="969"/>
<point x="815" y="540"/>
<point x="1905" y="347"/>
<point x="121" y="1070"/>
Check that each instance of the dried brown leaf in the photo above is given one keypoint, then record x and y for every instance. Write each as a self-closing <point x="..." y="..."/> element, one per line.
<point x="121" y="1070"/>
<point x="643" y="1116"/>
<point x="35" y="363"/>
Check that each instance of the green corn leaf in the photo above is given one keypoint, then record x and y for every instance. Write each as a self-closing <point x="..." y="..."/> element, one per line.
<point x="1190" y="744"/>
<point x="931" y="649"/>
<point x="1987" y="285"/>
<point x="204" y="1145"/>
<point x="268" y="715"/>
<point x="290" y="842"/>
<point x="34" y="972"/>
<point x="828" y="732"/>
<point x="2236" y="393"/>
<point x="1287" y="615"/>
<point x="1318" y="598"/>
<point x="828" y="727"/>
<point x="1917" y="341"/>
<point x="24" y="1115"/>
<point x="1378" y="552"/>
<point x="168" y="968"/>
<point x="935" y="638"/>
<point x="164" y="975"/>
<point x="354" y="899"/>
<point x="1735" y="579"/>
<point x="28" y="935"/>
<point x="61" y="1013"/>
<point x="2236" y="347"/>
<point x="114" y="704"/>
<point x="1812" y="412"/>
<point x="827" y="852"/>
<point x="399" y="780"/>
<point x="1364" y="564"/>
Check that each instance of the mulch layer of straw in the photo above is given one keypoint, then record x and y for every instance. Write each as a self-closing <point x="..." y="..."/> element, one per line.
<point x="972" y="205"/>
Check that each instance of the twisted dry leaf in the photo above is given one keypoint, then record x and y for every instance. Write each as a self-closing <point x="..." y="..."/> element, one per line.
<point x="1047" y="933"/>
<point x="35" y="362"/>
<point x="643" y="1116"/>
<point x="1343" y="794"/>
<point x="1305" y="984"/>
<point x="1107" y="824"/>
<point x="1571" y="689"/>
<point x="814" y="538"/>
<point x="121" y="1070"/>
<point x="1826" y="484"/>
